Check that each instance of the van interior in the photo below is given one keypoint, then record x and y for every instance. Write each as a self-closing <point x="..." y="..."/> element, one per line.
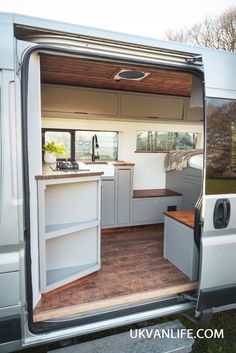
<point x="139" y="130"/>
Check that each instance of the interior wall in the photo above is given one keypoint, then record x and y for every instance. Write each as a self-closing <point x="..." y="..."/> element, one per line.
<point x="148" y="171"/>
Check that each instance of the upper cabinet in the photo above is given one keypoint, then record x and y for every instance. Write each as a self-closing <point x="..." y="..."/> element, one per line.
<point x="78" y="100"/>
<point x="151" y="106"/>
<point x="65" y="100"/>
<point x="192" y="113"/>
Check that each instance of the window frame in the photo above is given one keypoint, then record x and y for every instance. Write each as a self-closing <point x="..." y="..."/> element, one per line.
<point x="161" y="151"/>
<point x="72" y="142"/>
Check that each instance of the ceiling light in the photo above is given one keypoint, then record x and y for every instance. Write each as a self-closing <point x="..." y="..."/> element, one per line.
<point x="134" y="75"/>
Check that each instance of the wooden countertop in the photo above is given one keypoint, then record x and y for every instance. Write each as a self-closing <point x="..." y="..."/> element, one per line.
<point x="48" y="173"/>
<point x="115" y="163"/>
<point x="185" y="217"/>
<point x="154" y="193"/>
<point x="122" y="164"/>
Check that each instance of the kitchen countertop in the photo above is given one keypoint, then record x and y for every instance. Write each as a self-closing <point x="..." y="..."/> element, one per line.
<point x="48" y="173"/>
<point x="122" y="164"/>
<point x="115" y="163"/>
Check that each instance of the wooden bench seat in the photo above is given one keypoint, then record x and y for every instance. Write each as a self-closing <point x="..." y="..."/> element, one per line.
<point x="145" y="193"/>
<point x="185" y="217"/>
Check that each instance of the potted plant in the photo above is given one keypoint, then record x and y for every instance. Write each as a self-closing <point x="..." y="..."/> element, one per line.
<point x="52" y="150"/>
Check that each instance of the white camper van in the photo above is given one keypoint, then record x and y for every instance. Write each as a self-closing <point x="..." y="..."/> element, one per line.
<point x="137" y="221"/>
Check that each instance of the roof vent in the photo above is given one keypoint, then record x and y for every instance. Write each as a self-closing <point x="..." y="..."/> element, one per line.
<point x="134" y="75"/>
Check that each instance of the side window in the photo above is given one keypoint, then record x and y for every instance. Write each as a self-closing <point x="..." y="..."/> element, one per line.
<point x="221" y="146"/>
<point x="162" y="141"/>
<point x="60" y="137"/>
<point x="78" y="143"/>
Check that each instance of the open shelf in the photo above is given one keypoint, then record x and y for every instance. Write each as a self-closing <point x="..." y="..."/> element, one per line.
<point x="60" y="276"/>
<point x="57" y="230"/>
<point x="69" y="230"/>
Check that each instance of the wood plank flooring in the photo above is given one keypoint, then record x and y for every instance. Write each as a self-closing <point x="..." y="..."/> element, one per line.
<point x="133" y="269"/>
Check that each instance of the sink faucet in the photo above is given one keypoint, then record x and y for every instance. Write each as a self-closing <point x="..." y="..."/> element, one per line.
<point x="94" y="146"/>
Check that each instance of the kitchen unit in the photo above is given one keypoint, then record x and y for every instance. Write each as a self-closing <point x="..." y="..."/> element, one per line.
<point x="122" y="206"/>
<point x="117" y="196"/>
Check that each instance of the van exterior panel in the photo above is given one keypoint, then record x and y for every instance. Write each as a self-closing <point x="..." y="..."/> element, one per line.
<point x="216" y="297"/>
<point x="10" y="289"/>
<point x="6" y="42"/>
<point x="11" y="326"/>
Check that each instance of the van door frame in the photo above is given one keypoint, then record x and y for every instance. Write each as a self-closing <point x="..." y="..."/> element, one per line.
<point x="214" y="294"/>
<point x="39" y="327"/>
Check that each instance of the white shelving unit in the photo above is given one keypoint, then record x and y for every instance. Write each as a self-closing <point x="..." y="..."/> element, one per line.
<point x="69" y="229"/>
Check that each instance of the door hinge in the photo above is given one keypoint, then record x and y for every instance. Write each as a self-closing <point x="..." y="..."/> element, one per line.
<point x="194" y="59"/>
<point x="18" y="66"/>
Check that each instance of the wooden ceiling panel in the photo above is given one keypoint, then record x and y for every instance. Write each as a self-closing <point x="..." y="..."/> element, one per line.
<point x="89" y="73"/>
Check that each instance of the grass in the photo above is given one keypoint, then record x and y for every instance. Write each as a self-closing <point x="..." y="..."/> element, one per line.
<point x="225" y="321"/>
<point x="220" y="186"/>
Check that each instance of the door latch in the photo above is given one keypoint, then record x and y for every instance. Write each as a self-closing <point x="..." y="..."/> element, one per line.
<point x="221" y="215"/>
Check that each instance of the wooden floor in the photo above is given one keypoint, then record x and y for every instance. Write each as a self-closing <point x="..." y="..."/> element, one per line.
<point x="133" y="269"/>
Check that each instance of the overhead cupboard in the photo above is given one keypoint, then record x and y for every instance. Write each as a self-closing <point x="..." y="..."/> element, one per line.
<point x="64" y="100"/>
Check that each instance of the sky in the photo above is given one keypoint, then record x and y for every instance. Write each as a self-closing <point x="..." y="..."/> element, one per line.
<point x="150" y="18"/>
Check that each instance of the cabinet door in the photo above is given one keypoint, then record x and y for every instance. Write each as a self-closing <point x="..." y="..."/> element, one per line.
<point x="77" y="100"/>
<point x="123" y="196"/>
<point x="146" y="210"/>
<point x="192" y="114"/>
<point x="108" y="203"/>
<point x="151" y="106"/>
<point x="150" y="210"/>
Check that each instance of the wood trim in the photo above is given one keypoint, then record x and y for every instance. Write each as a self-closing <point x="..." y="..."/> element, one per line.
<point x="145" y="193"/>
<point x="151" y="151"/>
<point x="114" y="302"/>
<point x="96" y="74"/>
<point x="123" y="164"/>
<point x="63" y="175"/>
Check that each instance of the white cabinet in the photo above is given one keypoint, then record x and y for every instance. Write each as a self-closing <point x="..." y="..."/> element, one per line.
<point x="116" y="198"/>
<point x="180" y="248"/>
<point x="150" y="210"/>
<point x="69" y="229"/>
<point x="66" y="100"/>
<point x="78" y="100"/>
<point x="151" y="106"/>
<point x="124" y="190"/>
<point x="192" y="113"/>
<point x="108" y="203"/>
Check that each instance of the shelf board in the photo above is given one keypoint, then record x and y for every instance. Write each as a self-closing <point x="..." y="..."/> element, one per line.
<point x="61" y="276"/>
<point x="57" y="230"/>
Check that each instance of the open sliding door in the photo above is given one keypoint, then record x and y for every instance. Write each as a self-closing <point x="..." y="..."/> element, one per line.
<point x="217" y="280"/>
